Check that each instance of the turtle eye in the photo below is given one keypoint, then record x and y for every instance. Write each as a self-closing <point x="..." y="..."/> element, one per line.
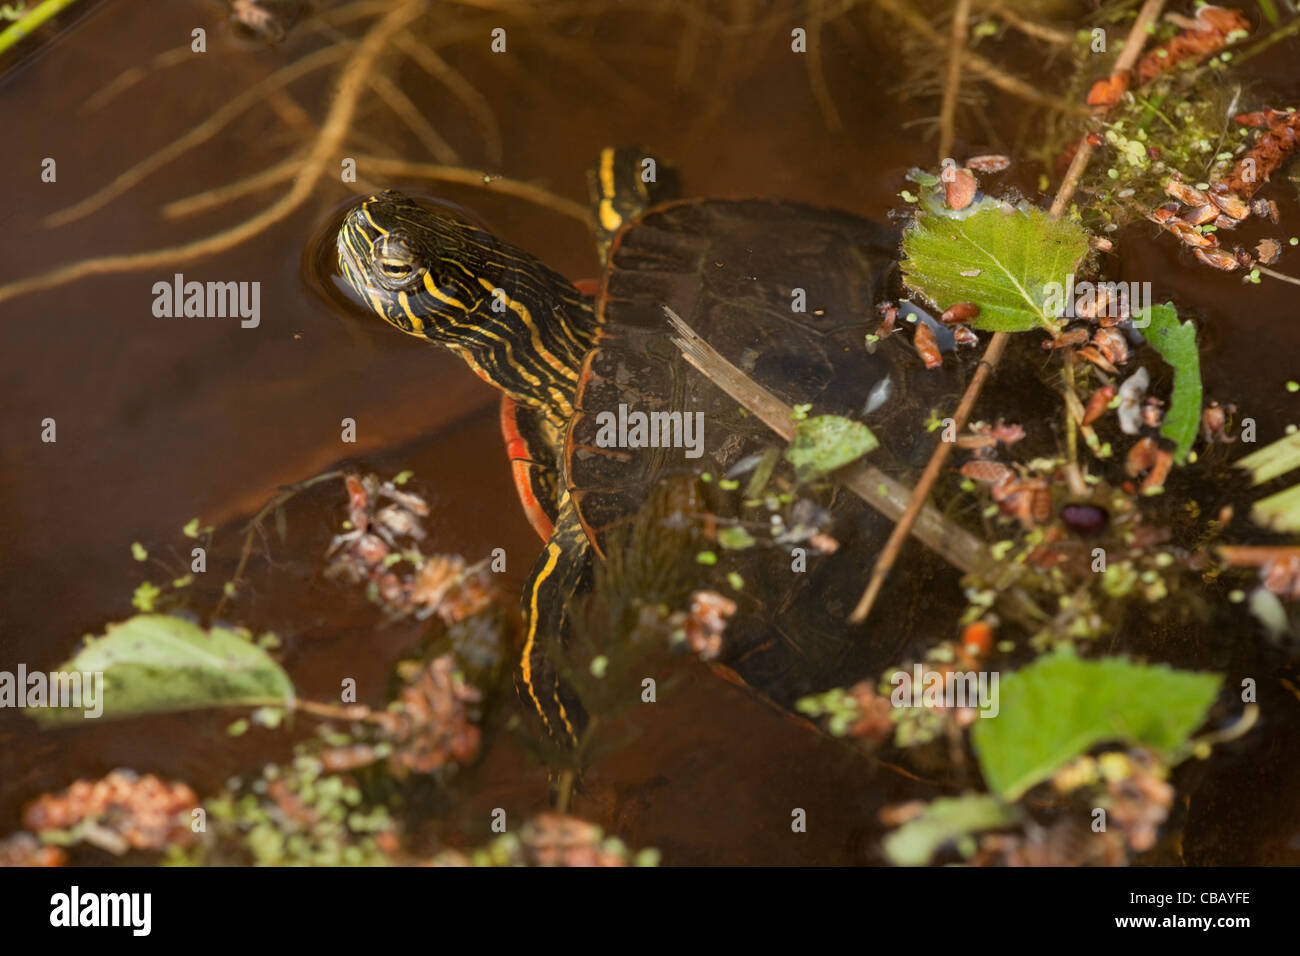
<point x="395" y="262"/>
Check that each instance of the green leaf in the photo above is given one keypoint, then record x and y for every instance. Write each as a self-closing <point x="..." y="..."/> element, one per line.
<point x="1177" y="345"/>
<point x="1013" y="255"/>
<point x="1281" y="511"/>
<point x="156" y="662"/>
<point x="944" y="820"/>
<point x="735" y="538"/>
<point x="1276" y="458"/>
<point x="827" y="442"/>
<point x="1060" y="707"/>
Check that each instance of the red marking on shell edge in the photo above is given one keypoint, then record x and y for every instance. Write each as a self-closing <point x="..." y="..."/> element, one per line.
<point x="520" y="463"/>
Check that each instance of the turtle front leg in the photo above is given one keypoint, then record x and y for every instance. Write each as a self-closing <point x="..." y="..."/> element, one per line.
<point x="560" y="571"/>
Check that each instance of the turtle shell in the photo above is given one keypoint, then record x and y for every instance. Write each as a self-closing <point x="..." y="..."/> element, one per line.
<point x="735" y="270"/>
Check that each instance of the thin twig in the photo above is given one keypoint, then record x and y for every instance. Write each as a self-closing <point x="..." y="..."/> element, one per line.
<point x="817" y="76"/>
<point x="997" y="345"/>
<point x="1032" y="28"/>
<point x="424" y="57"/>
<point x="410" y="115"/>
<point x="1272" y="273"/>
<point x="383" y="166"/>
<point x="1255" y="556"/>
<point x="952" y="85"/>
<point x="227" y="113"/>
<point x="323" y="152"/>
<point x="979" y="66"/>
<point x="254" y="525"/>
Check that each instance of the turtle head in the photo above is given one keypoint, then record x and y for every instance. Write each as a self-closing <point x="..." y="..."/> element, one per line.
<point x="518" y="324"/>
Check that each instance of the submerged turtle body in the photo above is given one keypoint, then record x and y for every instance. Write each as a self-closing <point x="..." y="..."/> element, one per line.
<point x="786" y="292"/>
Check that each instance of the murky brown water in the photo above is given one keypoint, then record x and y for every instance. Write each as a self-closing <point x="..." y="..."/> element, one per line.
<point x="163" y="419"/>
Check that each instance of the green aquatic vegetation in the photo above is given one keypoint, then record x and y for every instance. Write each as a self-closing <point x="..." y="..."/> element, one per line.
<point x="826" y="442"/>
<point x="158" y="662"/>
<point x="1176" y="344"/>
<point x="1061" y="706"/>
<point x="947" y="820"/>
<point x="1000" y="258"/>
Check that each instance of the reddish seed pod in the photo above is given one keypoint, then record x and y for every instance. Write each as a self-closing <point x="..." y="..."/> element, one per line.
<point x="963" y="335"/>
<point x="977" y="639"/>
<point x="959" y="187"/>
<point x="1066" y="340"/>
<point x="1200" y="215"/>
<point x="1224" y="222"/>
<point x="1188" y="195"/>
<point x="988" y="163"/>
<point x="1217" y="259"/>
<point x="987" y="472"/>
<point x="1162" y="214"/>
<point x="889" y="315"/>
<point x="926" y="346"/>
<point x="1008" y="434"/>
<point x="1108" y="91"/>
<point x="1190" y="235"/>
<point x="1259" y="120"/>
<point x="960" y="312"/>
<point x="1098" y="402"/>
<point x="1112" y="345"/>
<point x="1159" y="470"/>
<point x="1230" y="204"/>
<point x="1153" y="414"/>
<point x="1090" y="354"/>
<point x="1141" y="456"/>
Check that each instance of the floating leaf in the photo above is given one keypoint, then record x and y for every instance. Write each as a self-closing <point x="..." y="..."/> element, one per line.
<point x="157" y="662"/>
<point x="735" y="538"/>
<point x="827" y="442"/>
<point x="1060" y="707"/>
<point x="943" y="821"/>
<point x="1176" y="344"/>
<point x="1011" y="254"/>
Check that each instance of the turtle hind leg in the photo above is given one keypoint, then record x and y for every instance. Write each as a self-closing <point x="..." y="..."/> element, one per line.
<point x="560" y="573"/>
<point x="625" y="182"/>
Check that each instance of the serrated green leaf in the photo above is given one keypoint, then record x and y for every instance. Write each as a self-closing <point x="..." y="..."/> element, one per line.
<point x="826" y="442"/>
<point x="1017" y="252"/>
<point x="944" y="820"/>
<point x="1176" y="344"/>
<point x="1060" y="707"/>
<point x="156" y="662"/>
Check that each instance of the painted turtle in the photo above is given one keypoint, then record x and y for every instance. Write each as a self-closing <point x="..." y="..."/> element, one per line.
<point x="784" y="291"/>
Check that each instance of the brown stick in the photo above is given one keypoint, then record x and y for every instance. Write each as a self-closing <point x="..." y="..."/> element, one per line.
<point x="1255" y="556"/>
<point x="951" y="542"/>
<point x="952" y="85"/>
<point x="997" y="345"/>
